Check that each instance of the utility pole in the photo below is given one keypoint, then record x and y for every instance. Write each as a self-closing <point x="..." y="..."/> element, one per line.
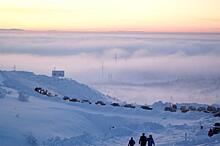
<point x="185" y="136"/>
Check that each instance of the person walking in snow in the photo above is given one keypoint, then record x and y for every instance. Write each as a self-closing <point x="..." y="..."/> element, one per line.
<point x="143" y="140"/>
<point x="131" y="142"/>
<point x="210" y="133"/>
<point x="150" y="141"/>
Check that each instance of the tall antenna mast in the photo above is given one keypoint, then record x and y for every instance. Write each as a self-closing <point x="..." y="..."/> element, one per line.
<point x="171" y="99"/>
<point x="14" y="68"/>
<point x="116" y="57"/>
<point x="102" y="70"/>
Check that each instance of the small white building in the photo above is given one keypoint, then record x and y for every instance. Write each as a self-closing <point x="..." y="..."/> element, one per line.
<point x="58" y="73"/>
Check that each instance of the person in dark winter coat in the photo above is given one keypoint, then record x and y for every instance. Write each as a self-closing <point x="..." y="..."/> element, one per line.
<point x="210" y="133"/>
<point x="150" y="141"/>
<point x="131" y="142"/>
<point x="143" y="140"/>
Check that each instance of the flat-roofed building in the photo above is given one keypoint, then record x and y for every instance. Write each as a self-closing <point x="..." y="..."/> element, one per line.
<point x="58" y="73"/>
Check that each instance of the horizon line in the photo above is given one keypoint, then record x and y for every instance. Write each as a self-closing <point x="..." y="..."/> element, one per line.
<point x="111" y="31"/>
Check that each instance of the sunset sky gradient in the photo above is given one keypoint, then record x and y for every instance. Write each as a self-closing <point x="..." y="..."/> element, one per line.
<point x="111" y="15"/>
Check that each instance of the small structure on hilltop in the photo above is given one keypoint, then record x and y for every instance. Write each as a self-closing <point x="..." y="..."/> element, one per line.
<point x="58" y="73"/>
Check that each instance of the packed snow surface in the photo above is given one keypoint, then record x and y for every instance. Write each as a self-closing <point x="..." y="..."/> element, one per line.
<point x="50" y="121"/>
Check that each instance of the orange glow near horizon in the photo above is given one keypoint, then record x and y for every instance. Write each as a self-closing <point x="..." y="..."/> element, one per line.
<point x="112" y="15"/>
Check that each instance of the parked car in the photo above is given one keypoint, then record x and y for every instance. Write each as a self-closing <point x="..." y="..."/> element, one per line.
<point x="184" y="109"/>
<point x="216" y="128"/>
<point x="66" y="98"/>
<point x="129" y="106"/>
<point x="146" y="107"/>
<point x="211" y="109"/>
<point x="74" y="100"/>
<point x="217" y="114"/>
<point x="115" y="104"/>
<point x="170" y="109"/>
<point x="192" y="108"/>
<point x="100" y="103"/>
<point x="86" y="101"/>
<point x="201" y="109"/>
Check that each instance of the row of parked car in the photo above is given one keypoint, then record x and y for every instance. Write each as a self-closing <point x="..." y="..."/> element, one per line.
<point x="66" y="98"/>
<point x="44" y="92"/>
<point x="214" y="130"/>
<point x="184" y="109"/>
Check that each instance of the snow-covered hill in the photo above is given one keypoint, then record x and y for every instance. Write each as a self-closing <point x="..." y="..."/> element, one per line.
<point x="50" y="121"/>
<point x="27" y="81"/>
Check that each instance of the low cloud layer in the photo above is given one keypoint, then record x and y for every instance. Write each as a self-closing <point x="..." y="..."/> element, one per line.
<point x="90" y="55"/>
<point x="125" y="44"/>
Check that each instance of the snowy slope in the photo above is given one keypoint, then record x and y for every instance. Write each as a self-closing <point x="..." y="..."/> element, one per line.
<point x="27" y="81"/>
<point x="40" y="122"/>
